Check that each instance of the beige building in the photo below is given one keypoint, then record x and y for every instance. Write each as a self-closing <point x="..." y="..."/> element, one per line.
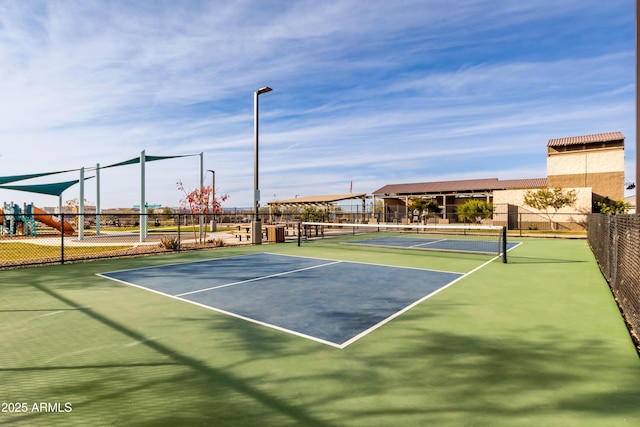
<point x="595" y="161"/>
<point x="592" y="165"/>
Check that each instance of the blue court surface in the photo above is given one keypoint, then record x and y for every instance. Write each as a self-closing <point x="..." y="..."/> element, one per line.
<point x="333" y="302"/>
<point x="434" y="243"/>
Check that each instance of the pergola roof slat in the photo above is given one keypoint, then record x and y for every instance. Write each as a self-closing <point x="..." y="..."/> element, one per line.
<point x="319" y="200"/>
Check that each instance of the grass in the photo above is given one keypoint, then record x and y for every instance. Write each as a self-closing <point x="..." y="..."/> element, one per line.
<point x="25" y="251"/>
<point x="538" y="341"/>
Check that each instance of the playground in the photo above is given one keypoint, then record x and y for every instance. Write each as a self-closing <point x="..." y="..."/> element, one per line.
<point x="24" y="221"/>
<point x="119" y="235"/>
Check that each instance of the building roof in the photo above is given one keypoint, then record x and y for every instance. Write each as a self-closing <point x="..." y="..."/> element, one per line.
<point x="462" y="186"/>
<point x="317" y="200"/>
<point x="586" y="139"/>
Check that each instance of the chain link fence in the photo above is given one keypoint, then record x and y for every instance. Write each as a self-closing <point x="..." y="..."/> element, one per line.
<point x="615" y="242"/>
<point x="31" y="239"/>
<point x="517" y="218"/>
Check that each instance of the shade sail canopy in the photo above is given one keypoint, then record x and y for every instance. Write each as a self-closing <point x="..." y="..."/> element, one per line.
<point x="14" y="178"/>
<point x="57" y="188"/>
<point x="136" y="160"/>
<point x="54" y="189"/>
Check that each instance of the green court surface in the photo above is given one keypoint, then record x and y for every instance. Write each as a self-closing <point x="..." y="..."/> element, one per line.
<point x="535" y="342"/>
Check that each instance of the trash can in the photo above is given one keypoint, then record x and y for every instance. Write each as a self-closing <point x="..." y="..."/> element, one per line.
<point x="275" y="234"/>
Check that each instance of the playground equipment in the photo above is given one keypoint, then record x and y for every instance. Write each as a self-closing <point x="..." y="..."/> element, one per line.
<point x="16" y="221"/>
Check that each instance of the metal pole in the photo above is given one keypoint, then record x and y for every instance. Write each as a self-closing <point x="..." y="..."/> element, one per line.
<point x="97" y="199"/>
<point x="81" y="208"/>
<point x="61" y="229"/>
<point x="256" y="194"/>
<point x="213" y="200"/>
<point x="61" y="234"/>
<point x="256" y="232"/>
<point x="201" y="216"/>
<point x="143" y="203"/>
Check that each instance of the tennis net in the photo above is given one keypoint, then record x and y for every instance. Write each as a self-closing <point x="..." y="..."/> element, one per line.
<point x="483" y="239"/>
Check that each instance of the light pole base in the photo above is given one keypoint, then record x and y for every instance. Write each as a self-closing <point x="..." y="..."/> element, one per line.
<point x="256" y="232"/>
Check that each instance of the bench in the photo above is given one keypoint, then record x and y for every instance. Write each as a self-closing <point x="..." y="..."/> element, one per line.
<point x="239" y="233"/>
<point x="245" y="231"/>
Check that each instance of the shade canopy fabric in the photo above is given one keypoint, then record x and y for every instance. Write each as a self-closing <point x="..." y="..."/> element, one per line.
<point x="136" y="160"/>
<point x="14" y="178"/>
<point x="54" y="189"/>
<point x="57" y="188"/>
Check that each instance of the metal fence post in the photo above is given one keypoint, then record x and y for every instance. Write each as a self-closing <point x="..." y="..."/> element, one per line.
<point x="179" y="235"/>
<point x="61" y="237"/>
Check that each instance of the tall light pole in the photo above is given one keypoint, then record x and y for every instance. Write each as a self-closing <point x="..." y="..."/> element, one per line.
<point x="256" y="232"/>
<point x="213" y="199"/>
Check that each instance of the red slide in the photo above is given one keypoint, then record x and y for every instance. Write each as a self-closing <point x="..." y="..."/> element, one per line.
<point x="45" y="218"/>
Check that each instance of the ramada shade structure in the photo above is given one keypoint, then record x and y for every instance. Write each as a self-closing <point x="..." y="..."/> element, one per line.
<point x="318" y="200"/>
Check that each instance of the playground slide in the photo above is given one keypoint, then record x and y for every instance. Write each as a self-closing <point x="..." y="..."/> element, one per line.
<point x="45" y="218"/>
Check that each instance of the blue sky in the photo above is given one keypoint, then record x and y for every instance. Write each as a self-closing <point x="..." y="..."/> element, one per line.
<point x="374" y="93"/>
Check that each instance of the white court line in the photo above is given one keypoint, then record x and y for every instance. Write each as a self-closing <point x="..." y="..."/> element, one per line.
<point x="299" y="334"/>
<point x="202" y="261"/>
<point x="256" y="279"/>
<point x="410" y="306"/>
<point x="374" y="263"/>
<point x="428" y="243"/>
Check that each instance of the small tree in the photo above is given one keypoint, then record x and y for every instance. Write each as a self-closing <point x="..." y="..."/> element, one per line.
<point x="550" y="201"/>
<point x="423" y="206"/>
<point x="311" y="213"/>
<point x="475" y="210"/>
<point x="167" y="213"/>
<point x="199" y="201"/>
<point x="606" y="206"/>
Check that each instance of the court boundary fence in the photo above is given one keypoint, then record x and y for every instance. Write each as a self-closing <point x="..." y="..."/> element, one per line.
<point x="37" y="239"/>
<point x="615" y="242"/>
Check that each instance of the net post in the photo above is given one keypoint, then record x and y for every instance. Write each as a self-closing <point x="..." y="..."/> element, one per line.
<point x="504" y="245"/>
<point x="299" y="228"/>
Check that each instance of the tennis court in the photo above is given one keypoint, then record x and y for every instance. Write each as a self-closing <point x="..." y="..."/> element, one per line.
<point x="329" y="301"/>
<point x="238" y="336"/>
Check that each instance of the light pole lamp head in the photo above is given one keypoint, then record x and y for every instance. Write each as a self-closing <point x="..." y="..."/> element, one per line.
<point x="263" y="90"/>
